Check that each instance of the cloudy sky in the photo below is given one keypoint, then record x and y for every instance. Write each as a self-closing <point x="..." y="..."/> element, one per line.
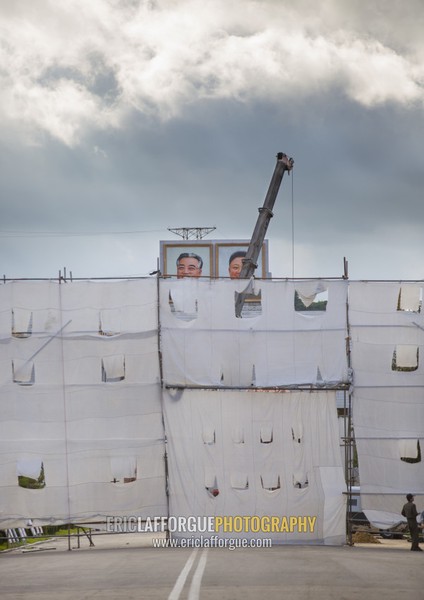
<point x="122" y="118"/>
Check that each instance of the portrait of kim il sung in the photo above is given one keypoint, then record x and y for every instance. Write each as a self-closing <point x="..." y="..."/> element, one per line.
<point x="186" y="260"/>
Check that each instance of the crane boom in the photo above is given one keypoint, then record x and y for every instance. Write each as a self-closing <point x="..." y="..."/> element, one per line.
<point x="284" y="163"/>
<point x="265" y="213"/>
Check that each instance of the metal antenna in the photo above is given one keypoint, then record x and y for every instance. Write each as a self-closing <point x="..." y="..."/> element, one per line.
<point x="192" y="233"/>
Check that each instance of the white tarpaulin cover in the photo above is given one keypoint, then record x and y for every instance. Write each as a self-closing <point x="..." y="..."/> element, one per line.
<point x="252" y="457"/>
<point x="205" y="344"/>
<point x="82" y="403"/>
<point x="387" y="329"/>
<point x="80" y="396"/>
<point x="384" y="520"/>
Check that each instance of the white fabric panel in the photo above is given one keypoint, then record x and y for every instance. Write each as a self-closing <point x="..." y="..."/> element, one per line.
<point x="266" y="433"/>
<point x="406" y="356"/>
<point x="382" y="457"/>
<point x="229" y="464"/>
<point x="81" y="428"/>
<point x="376" y="303"/>
<point x="91" y="479"/>
<point x="113" y="367"/>
<point x="238" y="434"/>
<point x="408" y="448"/>
<point x="29" y="467"/>
<point x="210" y="479"/>
<point x="271" y="480"/>
<point x="383" y="520"/>
<point x="37" y="298"/>
<point x="332" y="481"/>
<point x="410" y="296"/>
<point x="239" y="480"/>
<point x="210" y="346"/>
<point x="396" y="412"/>
<point x="21" y="322"/>
<point x="388" y="405"/>
<point x="251" y="450"/>
<point x="123" y="466"/>
<point x="23" y="371"/>
<point x="308" y="291"/>
<point x="46" y="505"/>
<point x="130" y="306"/>
<point x="85" y="366"/>
<point x="373" y="367"/>
<point x="110" y="321"/>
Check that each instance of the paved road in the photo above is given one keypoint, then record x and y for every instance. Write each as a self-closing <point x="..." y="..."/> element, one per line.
<point x="134" y="570"/>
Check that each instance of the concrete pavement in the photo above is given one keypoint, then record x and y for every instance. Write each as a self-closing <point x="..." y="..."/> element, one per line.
<point x="126" y="566"/>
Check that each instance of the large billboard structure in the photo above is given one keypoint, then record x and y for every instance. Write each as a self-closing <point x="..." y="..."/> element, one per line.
<point x="215" y="256"/>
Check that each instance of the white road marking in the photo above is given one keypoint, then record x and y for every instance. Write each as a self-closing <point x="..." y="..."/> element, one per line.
<point x="197" y="577"/>
<point x="179" y="584"/>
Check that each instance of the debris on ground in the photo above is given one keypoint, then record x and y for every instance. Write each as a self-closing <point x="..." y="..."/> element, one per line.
<point x="363" y="537"/>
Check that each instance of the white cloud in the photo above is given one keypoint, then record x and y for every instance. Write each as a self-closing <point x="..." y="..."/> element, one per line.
<point x="69" y="67"/>
<point x="62" y="110"/>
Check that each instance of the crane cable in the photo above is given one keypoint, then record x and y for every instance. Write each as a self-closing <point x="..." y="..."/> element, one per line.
<point x="292" y="222"/>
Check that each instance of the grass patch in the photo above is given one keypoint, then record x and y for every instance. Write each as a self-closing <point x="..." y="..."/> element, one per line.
<point x="49" y="531"/>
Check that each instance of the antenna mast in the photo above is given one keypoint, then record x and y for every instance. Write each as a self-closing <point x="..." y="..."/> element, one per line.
<point x="192" y="233"/>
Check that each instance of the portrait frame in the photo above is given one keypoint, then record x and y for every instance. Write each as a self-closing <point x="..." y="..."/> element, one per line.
<point x="223" y="251"/>
<point x="170" y="252"/>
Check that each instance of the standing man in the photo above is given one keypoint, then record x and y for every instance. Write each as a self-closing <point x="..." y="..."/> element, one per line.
<point x="189" y="265"/>
<point x="409" y="511"/>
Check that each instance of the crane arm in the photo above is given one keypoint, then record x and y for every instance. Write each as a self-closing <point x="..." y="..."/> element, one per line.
<point x="284" y="163"/>
<point x="265" y="213"/>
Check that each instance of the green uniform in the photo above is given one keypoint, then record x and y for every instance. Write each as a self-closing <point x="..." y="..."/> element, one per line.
<point x="409" y="511"/>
